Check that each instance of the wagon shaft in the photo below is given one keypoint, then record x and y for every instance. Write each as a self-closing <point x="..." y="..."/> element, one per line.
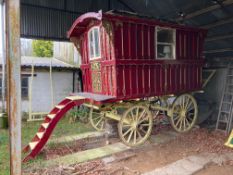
<point x="116" y="117"/>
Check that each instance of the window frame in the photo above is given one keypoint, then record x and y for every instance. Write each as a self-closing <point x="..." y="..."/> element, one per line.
<point x="91" y="30"/>
<point x="22" y="87"/>
<point x="25" y="87"/>
<point x="173" y="45"/>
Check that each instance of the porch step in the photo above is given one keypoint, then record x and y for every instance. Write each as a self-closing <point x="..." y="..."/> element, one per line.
<point x="51" y="116"/>
<point x="60" y="106"/>
<point x="40" y="134"/>
<point x="45" y="125"/>
<point x="32" y="145"/>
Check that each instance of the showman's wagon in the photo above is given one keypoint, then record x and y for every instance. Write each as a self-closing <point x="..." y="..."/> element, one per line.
<point x="132" y="66"/>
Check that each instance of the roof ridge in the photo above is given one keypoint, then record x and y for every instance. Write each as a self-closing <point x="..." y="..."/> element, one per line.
<point x="63" y="62"/>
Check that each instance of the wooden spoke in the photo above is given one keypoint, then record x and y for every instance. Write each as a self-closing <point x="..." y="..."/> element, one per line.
<point x="139" y="128"/>
<point x="130" y="129"/>
<point x="184" y="113"/>
<point x="130" y="135"/>
<point x="97" y="119"/>
<point x="145" y="124"/>
<point x="139" y="134"/>
<point x="142" y="114"/>
<point x="135" y="136"/>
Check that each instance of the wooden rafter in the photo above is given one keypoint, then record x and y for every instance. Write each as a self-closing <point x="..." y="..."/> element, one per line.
<point x="219" y="37"/>
<point x="126" y="5"/>
<point x="204" y="10"/>
<point x="219" y="50"/>
<point x="218" y="23"/>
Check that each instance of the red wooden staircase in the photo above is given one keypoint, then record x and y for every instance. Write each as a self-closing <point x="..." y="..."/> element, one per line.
<point x="50" y="122"/>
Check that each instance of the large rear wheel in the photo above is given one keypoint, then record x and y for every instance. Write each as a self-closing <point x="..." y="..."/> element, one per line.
<point x="135" y="126"/>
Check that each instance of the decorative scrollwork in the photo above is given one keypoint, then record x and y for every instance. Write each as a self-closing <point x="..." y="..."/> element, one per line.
<point x="95" y="66"/>
<point x="96" y="82"/>
<point x="109" y="29"/>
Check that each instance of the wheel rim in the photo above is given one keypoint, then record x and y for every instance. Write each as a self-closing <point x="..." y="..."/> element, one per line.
<point x="184" y="110"/>
<point x="97" y="119"/>
<point x="138" y="128"/>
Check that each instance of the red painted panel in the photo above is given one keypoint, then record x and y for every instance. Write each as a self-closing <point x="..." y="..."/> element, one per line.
<point x="152" y="42"/>
<point x="129" y="68"/>
<point x="139" y="41"/>
<point x="126" y="40"/>
<point x="145" y="42"/>
<point x="118" y="40"/>
<point x="133" y="39"/>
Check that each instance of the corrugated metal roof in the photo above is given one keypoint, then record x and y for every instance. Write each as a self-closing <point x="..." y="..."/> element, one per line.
<point x="52" y="19"/>
<point x="45" y="62"/>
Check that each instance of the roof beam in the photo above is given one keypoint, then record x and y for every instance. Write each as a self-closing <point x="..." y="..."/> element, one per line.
<point x="204" y="10"/>
<point x="219" y="50"/>
<point x="126" y="5"/>
<point x="50" y="8"/>
<point x="218" y="23"/>
<point x="219" y="37"/>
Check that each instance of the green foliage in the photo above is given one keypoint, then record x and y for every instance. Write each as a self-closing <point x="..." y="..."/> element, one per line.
<point x="42" y="48"/>
<point x="29" y="129"/>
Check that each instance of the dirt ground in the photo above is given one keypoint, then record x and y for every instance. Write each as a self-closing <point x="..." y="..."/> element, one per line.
<point x="216" y="170"/>
<point x="192" y="143"/>
<point x="150" y="157"/>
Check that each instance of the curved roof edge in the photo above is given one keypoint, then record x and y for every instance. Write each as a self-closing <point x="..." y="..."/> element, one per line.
<point x="82" y="21"/>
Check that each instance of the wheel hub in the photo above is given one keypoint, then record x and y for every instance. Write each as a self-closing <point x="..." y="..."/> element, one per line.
<point x="134" y="125"/>
<point x="183" y="113"/>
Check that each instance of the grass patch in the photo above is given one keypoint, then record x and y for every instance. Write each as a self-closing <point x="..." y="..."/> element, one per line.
<point x="29" y="129"/>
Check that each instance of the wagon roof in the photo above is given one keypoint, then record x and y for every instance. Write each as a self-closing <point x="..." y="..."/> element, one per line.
<point x="82" y="21"/>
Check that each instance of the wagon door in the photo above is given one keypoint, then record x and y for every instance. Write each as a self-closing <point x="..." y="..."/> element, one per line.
<point x="95" y="58"/>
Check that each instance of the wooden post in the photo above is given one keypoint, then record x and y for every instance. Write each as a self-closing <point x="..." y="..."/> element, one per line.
<point x="14" y="83"/>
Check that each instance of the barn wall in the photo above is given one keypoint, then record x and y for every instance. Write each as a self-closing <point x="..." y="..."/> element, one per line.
<point x="41" y="97"/>
<point x="52" y="19"/>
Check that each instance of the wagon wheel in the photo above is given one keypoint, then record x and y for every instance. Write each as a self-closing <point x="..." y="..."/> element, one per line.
<point x="97" y="120"/>
<point x="135" y="126"/>
<point x="184" y="113"/>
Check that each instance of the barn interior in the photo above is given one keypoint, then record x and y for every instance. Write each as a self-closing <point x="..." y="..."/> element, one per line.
<point x="50" y="20"/>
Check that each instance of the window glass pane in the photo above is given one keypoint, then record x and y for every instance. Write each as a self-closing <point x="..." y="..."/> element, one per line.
<point x="24" y="92"/>
<point x="164" y="51"/>
<point x="97" y="48"/>
<point x="165" y="35"/>
<point x="91" y="44"/>
<point x="24" y="82"/>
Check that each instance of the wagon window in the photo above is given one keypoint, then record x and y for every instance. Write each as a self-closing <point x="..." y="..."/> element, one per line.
<point x="165" y="43"/>
<point x="94" y="43"/>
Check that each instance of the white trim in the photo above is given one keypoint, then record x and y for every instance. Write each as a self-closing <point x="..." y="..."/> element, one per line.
<point x="173" y="45"/>
<point x="91" y="31"/>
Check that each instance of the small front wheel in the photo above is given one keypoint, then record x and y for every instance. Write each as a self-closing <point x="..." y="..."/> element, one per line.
<point x="97" y="120"/>
<point x="184" y="113"/>
<point x="135" y="126"/>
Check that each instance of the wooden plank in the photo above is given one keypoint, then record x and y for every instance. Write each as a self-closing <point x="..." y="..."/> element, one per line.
<point x="205" y="10"/>
<point x="87" y="155"/>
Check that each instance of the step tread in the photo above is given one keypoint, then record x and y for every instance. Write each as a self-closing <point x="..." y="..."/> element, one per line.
<point x="40" y="134"/>
<point x="60" y="106"/>
<point x="51" y="116"/>
<point x="45" y="125"/>
<point x="32" y="145"/>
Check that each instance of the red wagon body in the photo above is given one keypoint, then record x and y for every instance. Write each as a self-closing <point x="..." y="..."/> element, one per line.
<point x="130" y="57"/>
<point x="127" y="57"/>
